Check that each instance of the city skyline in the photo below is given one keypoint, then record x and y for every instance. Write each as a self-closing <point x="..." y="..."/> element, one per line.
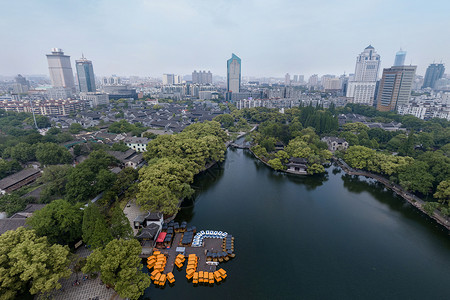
<point x="290" y="38"/>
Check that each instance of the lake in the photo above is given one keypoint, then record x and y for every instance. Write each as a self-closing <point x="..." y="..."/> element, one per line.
<point x="324" y="237"/>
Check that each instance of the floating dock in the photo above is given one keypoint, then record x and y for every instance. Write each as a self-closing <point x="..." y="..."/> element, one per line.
<point x="200" y="254"/>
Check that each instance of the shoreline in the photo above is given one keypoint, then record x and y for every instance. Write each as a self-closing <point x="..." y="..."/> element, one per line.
<point x="407" y="196"/>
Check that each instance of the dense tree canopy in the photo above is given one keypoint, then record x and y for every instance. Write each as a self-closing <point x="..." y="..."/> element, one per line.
<point x="120" y="225"/>
<point x="90" y="177"/>
<point x="8" y="168"/>
<point x="59" y="221"/>
<point x="120" y="266"/>
<point x="173" y="162"/>
<point x="123" y="126"/>
<point x="163" y="184"/>
<point x="12" y="203"/>
<point x="52" y="154"/>
<point x="30" y="263"/>
<point x="95" y="230"/>
<point x="54" y="179"/>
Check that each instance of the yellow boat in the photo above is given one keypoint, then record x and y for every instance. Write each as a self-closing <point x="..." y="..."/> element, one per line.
<point x="195" y="278"/>
<point x="222" y="273"/>
<point x="217" y="276"/>
<point x="153" y="274"/>
<point x="170" y="277"/>
<point x="157" y="277"/>
<point x="162" y="280"/>
<point x="189" y="275"/>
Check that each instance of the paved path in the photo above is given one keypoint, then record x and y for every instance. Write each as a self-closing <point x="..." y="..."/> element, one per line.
<point x="87" y="289"/>
<point x="131" y="210"/>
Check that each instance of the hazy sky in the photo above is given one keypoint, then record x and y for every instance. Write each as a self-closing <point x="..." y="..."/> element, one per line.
<point x="151" y="37"/>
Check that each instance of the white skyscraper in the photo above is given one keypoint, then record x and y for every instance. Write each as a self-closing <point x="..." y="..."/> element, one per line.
<point x="361" y="89"/>
<point x="60" y="69"/>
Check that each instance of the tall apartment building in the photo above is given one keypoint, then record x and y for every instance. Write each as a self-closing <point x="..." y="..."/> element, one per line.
<point x="313" y="80"/>
<point x="395" y="87"/>
<point x="234" y="74"/>
<point x="361" y="88"/>
<point x="433" y="73"/>
<point x="60" y="69"/>
<point x="400" y="57"/>
<point x="169" y="79"/>
<point x="85" y="75"/>
<point x="202" y="77"/>
<point x="22" y="85"/>
<point x="287" y="79"/>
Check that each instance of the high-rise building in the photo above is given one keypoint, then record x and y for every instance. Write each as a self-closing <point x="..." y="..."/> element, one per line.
<point x="234" y="74"/>
<point x="395" y="87"/>
<point x="361" y="88"/>
<point x="295" y="78"/>
<point x="287" y="79"/>
<point x="112" y="80"/>
<point x="168" y="79"/>
<point x="313" y="80"/>
<point x="433" y="73"/>
<point x="400" y="57"/>
<point x="60" y="69"/>
<point x="301" y="78"/>
<point x="21" y="85"/>
<point x="85" y="75"/>
<point x="177" y="79"/>
<point x="202" y="77"/>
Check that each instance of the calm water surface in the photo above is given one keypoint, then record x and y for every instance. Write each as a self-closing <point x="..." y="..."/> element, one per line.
<point x="329" y="237"/>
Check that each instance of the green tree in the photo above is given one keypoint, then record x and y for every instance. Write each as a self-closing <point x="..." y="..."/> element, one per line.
<point x="120" y="266"/>
<point x="29" y="262"/>
<point x="12" y="203"/>
<point x="59" y="221"/>
<point x="359" y="157"/>
<point x="54" y="179"/>
<point x="416" y="178"/>
<point x="443" y="196"/>
<point x="75" y="128"/>
<point x="95" y="231"/>
<point x="120" y="146"/>
<point x="120" y="225"/>
<point x="42" y="121"/>
<point x="9" y="167"/>
<point x="80" y="184"/>
<point x="22" y="152"/>
<point x="315" y="168"/>
<point x="52" y="154"/>
<point x="276" y="164"/>
<point x="163" y="184"/>
<point x="283" y="156"/>
<point x="54" y="131"/>
<point x="226" y="120"/>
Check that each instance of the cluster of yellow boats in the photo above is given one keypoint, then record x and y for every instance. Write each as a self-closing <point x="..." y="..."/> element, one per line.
<point x="202" y="276"/>
<point x="208" y="277"/>
<point x="157" y="262"/>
